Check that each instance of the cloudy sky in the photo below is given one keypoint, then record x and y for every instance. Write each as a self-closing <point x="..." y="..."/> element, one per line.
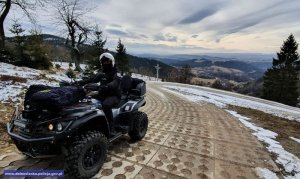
<point x="189" y="26"/>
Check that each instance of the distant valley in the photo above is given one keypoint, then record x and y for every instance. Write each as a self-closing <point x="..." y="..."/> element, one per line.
<point x="238" y="67"/>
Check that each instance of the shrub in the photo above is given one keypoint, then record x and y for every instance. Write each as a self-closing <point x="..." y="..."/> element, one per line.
<point x="57" y="66"/>
<point x="70" y="73"/>
<point x="217" y="84"/>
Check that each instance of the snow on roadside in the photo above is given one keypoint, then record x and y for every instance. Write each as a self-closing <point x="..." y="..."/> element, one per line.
<point x="222" y="99"/>
<point x="192" y="96"/>
<point x="265" y="173"/>
<point x="290" y="162"/>
<point x="295" y="139"/>
<point x="145" y="78"/>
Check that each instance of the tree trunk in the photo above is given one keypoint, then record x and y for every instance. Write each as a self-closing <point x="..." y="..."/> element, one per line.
<point x="2" y="18"/>
<point x="77" y="60"/>
<point x="75" y="51"/>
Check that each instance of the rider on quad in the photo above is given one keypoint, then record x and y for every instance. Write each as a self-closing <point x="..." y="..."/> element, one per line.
<point x="110" y="91"/>
<point x="76" y="127"/>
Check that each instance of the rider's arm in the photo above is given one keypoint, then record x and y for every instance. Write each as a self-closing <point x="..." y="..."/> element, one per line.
<point x="99" y="76"/>
<point x="114" y="84"/>
<point x="112" y="87"/>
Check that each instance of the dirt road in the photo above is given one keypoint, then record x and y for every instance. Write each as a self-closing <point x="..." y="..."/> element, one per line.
<point x="184" y="140"/>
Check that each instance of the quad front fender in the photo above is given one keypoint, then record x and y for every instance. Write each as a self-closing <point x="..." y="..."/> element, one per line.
<point x="94" y="121"/>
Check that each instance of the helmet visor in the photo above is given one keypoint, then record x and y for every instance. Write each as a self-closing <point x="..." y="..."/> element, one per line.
<point x="105" y="61"/>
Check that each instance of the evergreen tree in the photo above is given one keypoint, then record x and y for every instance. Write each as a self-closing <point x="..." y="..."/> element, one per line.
<point x="280" y="82"/>
<point x="99" y="43"/>
<point x="96" y="50"/>
<point x="19" y="39"/>
<point x="38" y="51"/>
<point x="121" y="58"/>
<point x="288" y="56"/>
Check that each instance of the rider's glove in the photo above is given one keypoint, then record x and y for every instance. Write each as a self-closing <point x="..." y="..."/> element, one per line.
<point x="79" y="83"/>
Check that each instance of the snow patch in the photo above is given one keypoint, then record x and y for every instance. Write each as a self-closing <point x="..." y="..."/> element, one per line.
<point x="297" y="176"/>
<point x="24" y="72"/>
<point x="65" y="65"/>
<point x="295" y="139"/>
<point x="145" y="78"/>
<point x="265" y="173"/>
<point x="191" y="97"/>
<point x="11" y="91"/>
<point x="61" y="77"/>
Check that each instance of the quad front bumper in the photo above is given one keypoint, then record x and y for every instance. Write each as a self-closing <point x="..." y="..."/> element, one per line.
<point x="35" y="147"/>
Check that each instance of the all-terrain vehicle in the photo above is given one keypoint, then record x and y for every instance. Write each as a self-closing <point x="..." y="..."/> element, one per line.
<point x="81" y="131"/>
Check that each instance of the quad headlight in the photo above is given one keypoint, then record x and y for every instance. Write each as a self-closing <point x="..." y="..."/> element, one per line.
<point x="59" y="127"/>
<point x="50" y="127"/>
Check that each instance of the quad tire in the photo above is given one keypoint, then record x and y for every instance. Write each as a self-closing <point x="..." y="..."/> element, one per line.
<point x="140" y="126"/>
<point x="86" y="154"/>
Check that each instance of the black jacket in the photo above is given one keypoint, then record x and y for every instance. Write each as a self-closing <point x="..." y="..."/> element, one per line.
<point x="110" y="83"/>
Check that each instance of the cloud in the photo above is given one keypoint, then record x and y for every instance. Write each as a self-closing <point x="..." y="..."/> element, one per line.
<point x="250" y="17"/>
<point x="198" y="16"/>
<point x="163" y="49"/>
<point x="121" y="32"/>
<point x="115" y="25"/>
<point x="193" y="22"/>
<point x="144" y="36"/>
<point x="165" y="37"/>
<point x="117" y="32"/>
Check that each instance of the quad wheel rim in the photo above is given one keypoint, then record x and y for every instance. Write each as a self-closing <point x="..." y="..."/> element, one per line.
<point x="92" y="157"/>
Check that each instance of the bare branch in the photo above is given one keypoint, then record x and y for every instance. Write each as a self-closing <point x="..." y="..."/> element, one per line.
<point x="2" y="9"/>
<point x="70" y="15"/>
<point x="26" y="6"/>
<point x="73" y="8"/>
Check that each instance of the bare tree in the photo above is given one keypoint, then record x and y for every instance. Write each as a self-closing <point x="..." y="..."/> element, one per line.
<point x="70" y="14"/>
<point x="186" y="74"/>
<point x="6" y="5"/>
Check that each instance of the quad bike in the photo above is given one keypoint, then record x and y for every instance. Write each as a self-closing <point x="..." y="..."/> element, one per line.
<point x="80" y="132"/>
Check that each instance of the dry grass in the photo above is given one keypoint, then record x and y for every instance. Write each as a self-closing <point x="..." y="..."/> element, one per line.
<point x="6" y="111"/>
<point x="204" y="82"/>
<point x="283" y="127"/>
<point x="12" y="78"/>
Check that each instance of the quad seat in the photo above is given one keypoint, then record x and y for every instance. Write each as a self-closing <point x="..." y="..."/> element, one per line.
<point x="132" y="87"/>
